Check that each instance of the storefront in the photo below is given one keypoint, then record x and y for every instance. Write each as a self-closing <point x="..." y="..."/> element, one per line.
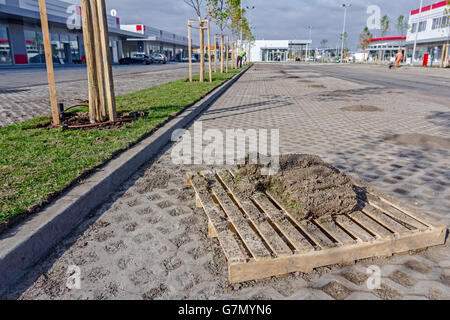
<point x="279" y="50"/>
<point x="5" y="47"/>
<point x="430" y="30"/>
<point x="21" y="41"/>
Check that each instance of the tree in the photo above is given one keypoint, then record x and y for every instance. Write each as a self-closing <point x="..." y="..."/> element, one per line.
<point x="197" y="5"/>
<point x="364" y="40"/>
<point x="402" y="25"/>
<point x="323" y="43"/>
<point x="218" y="11"/>
<point x="385" y="25"/>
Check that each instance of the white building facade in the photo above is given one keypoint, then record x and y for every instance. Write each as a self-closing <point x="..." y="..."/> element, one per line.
<point x="279" y="50"/>
<point x="431" y="28"/>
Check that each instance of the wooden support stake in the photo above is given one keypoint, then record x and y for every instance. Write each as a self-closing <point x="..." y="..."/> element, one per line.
<point x="202" y="52"/>
<point x="101" y="107"/>
<point x="106" y="55"/>
<point x="227" y="46"/>
<point x="215" y="53"/>
<point x="190" y="51"/>
<point x="49" y="62"/>
<point x="221" y="52"/>
<point x="90" y="58"/>
<point x="209" y="52"/>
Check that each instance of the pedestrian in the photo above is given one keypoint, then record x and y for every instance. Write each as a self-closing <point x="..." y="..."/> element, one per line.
<point x="399" y="58"/>
<point x="240" y="58"/>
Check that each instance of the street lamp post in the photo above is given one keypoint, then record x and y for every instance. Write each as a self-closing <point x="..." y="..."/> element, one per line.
<point x="250" y="27"/>
<point x="417" y="32"/>
<point x="345" y="6"/>
<point x="308" y="46"/>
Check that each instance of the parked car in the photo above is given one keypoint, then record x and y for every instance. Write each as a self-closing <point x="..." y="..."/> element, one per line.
<point x="40" y="58"/>
<point x="186" y="59"/>
<point x="137" y="59"/>
<point x="159" y="58"/>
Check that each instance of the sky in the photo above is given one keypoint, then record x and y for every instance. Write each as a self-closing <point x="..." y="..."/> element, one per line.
<point x="274" y="19"/>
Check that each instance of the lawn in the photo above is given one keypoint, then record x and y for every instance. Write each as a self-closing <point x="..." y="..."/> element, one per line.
<point x="38" y="163"/>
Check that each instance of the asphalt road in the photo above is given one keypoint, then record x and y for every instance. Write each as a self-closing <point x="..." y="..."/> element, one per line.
<point x="20" y="78"/>
<point x="431" y="82"/>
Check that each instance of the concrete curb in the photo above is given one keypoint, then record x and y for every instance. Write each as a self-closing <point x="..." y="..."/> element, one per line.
<point x="24" y="245"/>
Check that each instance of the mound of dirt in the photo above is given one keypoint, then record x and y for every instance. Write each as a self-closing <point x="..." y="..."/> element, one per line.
<point x="421" y="140"/>
<point x="305" y="185"/>
<point x="361" y="108"/>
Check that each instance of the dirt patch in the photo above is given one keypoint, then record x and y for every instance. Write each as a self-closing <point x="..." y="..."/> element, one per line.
<point x="361" y="108"/>
<point x="420" y="140"/>
<point x="305" y="184"/>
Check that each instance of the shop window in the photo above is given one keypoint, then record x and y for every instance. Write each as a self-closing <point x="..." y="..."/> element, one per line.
<point x="35" y="46"/>
<point x="414" y="28"/>
<point x="422" y="26"/>
<point x="5" y="48"/>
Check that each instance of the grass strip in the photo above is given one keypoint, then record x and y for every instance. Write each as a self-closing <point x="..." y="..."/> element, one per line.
<point x="37" y="164"/>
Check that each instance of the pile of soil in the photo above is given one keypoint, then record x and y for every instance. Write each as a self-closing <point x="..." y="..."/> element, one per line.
<point x="420" y="140"/>
<point x="361" y="108"/>
<point x="304" y="184"/>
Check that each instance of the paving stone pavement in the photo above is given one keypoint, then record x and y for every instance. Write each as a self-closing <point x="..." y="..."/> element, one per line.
<point x="149" y="241"/>
<point x="21" y="102"/>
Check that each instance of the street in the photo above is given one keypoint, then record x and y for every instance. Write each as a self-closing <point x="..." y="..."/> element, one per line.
<point x="149" y="241"/>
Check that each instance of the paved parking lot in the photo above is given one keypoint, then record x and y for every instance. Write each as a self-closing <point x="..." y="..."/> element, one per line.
<point x="150" y="242"/>
<point x="24" y="92"/>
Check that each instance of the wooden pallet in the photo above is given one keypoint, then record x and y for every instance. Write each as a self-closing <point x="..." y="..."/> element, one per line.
<point x="261" y="239"/>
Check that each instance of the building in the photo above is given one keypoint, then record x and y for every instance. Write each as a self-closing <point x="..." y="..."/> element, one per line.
<point x="21" y="41"/>
<point x="279" y="50"/>
<point x="431" y="26"/>
<point x="155" y="40"/>
<point x="385" y="49"/>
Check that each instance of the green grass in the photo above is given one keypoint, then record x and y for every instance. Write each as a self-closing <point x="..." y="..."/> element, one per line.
<point x="38" y="163"/>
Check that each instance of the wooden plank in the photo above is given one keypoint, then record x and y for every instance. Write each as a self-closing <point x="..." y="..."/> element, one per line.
<point x="314" y="233"/>
<point x="251" y="240"/>
<point x="49" y="62"/>
<point x="311" y="230"/>
<point x="229" y="245"/>
<point x="354" y="229"/>
<point x="281" y="221"/>
<point x="221" y="53"/>
<point x="336" y="232"/>
<point x="202" y="52"/>
<point x="371" y="225"/>
<point x="383" y="219"/>
<point x="255" y="270"/>
<point x="106" y="57"/>
<point x="259" y="220"/>
<point x="395" y="213"/>
<point x="209" y="52"/>
<point x="101" y="107"/>
<point x="190" y="51"/>
<point x="88" y="39"/>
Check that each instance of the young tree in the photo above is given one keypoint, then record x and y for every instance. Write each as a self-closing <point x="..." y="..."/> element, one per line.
<point x="402" y="25"/>
<point x="218" y="11"/>
<point x="364" y="40"/>
<point x="385" y="25"/>
<point x="323" y="43"/>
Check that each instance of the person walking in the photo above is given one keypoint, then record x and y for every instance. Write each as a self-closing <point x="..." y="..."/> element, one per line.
<point x="399" y="57"/>
<point x="240" y="58"/>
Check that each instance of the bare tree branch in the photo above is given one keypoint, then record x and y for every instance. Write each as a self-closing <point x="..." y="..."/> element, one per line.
<point x="196" y="5"/>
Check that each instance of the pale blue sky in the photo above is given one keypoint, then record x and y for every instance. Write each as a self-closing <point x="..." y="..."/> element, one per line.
<point x="275" y="20"/>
